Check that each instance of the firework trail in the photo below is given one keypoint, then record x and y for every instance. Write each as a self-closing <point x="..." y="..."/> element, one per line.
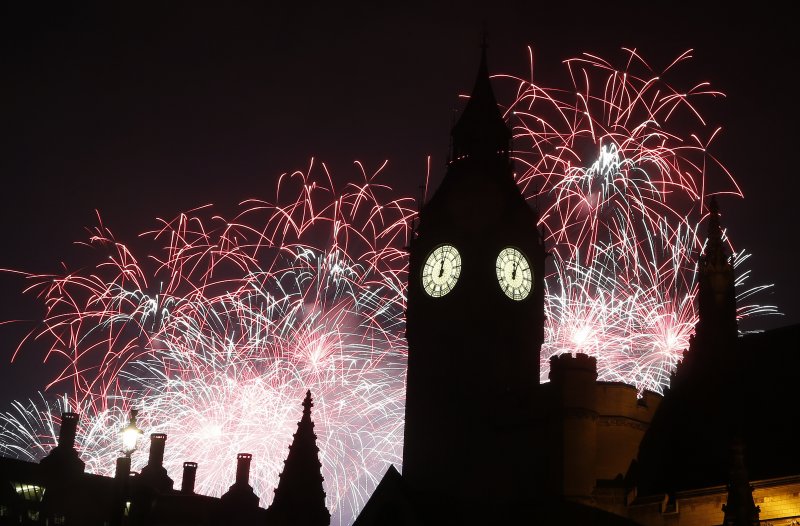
<point x="217" y="332"/>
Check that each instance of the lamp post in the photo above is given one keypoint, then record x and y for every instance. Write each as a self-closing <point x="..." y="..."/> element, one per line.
<point x="130" y="435"/>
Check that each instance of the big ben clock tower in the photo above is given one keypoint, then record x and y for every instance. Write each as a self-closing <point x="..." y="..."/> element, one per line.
<point x="475" y="320"/>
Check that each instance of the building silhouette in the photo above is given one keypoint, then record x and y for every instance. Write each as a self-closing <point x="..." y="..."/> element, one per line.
<point x="484" y="442"/>
<point x="57" y="491"/>
<point x="471" y="350"/>
<point x="300" y="498"/>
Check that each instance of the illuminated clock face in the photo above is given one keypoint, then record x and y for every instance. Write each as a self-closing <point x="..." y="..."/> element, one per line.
<point x="441" y="270"/>
<point x="514" y="273"/>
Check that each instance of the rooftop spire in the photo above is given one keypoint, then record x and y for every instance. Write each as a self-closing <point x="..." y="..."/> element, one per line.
<point x="715" y="250"/>
<point x="715" y="257"/>
<point x="481" y="130"/>
<point x="716" y="295"/>
<point x="300" y="497"/>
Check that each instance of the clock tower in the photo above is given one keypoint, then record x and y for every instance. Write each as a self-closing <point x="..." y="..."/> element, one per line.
<point x="474" y="321"/>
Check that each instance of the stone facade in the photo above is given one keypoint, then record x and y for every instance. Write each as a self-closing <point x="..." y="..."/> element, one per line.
<point x="779" y="500"/>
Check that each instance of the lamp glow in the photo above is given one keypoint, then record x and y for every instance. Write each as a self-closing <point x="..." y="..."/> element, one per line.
<point x="130" y="435"/>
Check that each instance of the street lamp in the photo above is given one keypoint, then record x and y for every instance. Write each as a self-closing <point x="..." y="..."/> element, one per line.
<point x="130" y="435"/>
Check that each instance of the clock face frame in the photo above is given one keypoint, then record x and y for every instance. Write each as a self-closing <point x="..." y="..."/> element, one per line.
<point x="514" y="273"/>
<point x="441" y="270"/>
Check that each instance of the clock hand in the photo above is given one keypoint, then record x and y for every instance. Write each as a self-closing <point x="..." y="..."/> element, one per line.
<point x="514" y="272"/>
<point x="441" y="269"/>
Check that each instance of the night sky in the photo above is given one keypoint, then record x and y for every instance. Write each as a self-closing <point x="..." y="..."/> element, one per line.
<point x="143" y="110"/>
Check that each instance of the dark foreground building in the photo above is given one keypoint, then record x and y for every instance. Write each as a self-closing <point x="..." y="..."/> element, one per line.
<point x="56" y="491"/>
<point x="484" y="442"/>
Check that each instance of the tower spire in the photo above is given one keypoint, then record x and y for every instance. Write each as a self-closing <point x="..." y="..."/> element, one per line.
<point x="715" y="250"/>
<point x="717" y="326"/>
<point x="481" y="131"/>
<point x="300" y="497"/>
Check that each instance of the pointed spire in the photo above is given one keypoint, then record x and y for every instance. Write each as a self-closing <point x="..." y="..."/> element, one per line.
<point x="716" y="296"/>
<point x="481" y="131"/>
<point x="740" y="509"/>
<point x="300" y="497"/>
<point x="715" y="252"/>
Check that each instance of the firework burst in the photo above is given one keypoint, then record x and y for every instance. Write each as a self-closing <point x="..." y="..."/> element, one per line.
<point x="216" y="335"/>
<point x="622" y="194"/>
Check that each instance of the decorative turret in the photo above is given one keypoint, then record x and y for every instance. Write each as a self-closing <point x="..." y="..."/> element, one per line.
<point x="716" y="295"/>
<point x="300" y="497"/>
<point x="573" y="425"/>
<point x="716" y="330"/>
<point x="740" y="508"/>
<point x="709" y="389"/>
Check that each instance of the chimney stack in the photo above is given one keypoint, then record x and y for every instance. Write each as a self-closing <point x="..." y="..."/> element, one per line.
<point x="239" y="502"/>
<point x="63" y="460"/>
<point x="154" y="474"/>
<point x="243" y="468"/>
<point x="69" y="426"/>
<point x="157" y="443"/>
<point x="189" y="475"/>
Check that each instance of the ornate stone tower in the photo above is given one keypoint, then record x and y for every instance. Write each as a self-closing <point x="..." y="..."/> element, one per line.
<point x="687" y="443"/>
<point x="299" y="497"/>
<point x="716" y="298"/>
<point x="711" y="347"/>
<point x="475" y="320"/>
